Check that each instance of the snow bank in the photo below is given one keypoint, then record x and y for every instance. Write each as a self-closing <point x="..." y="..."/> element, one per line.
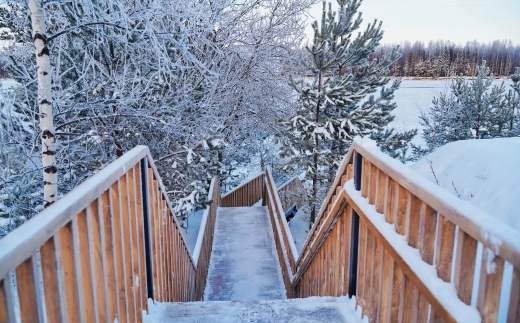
<point x="483" y="172"/>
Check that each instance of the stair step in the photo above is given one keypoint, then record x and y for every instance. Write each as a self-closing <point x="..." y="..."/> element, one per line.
<point x="298" y="310"/>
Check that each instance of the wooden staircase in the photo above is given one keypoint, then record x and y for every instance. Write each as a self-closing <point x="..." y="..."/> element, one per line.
<point x="389" y="244"/>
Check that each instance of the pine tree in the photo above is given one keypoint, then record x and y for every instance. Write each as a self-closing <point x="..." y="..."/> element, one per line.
<point x="337" y="104"/>
<point x="473" y="110"/>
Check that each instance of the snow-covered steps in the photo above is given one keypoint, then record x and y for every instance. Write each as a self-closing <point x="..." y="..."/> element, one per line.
<point x="244" y="263"/>
<point x="299" y="310"/>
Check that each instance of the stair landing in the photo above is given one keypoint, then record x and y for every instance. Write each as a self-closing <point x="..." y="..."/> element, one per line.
<point x="244" y="263"/>
<point x="300" y="310"/>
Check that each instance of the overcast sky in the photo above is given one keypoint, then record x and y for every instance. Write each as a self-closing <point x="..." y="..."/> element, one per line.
<point x="456" y="20"/>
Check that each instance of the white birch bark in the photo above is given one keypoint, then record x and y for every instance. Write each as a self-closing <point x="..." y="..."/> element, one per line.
<point x="45" y="103"/>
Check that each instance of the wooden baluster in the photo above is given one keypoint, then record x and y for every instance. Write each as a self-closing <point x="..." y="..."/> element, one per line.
<point x="153" y="233"/>
<point x="115" y="206"/>
<point x="362" y="258"/>
<point x="27" y="293"/>
<point x="69" y="273"/>
<point x="396" y="314"/>
<point x="365" y="180"/>
<point x="3" y="302"/>
<point x="386" y="294"/>
<point x="465" y="266"/>
<point x="346" y="226"/>
<point x="85" y="266"/>
<point x="490" y="287"/>
<point x="369" y="270"/>
<point x="376" y="279"/>
<point x="392" y="201"/>
<point x="372" y="194"/>
<point x="415" y="221"/>
<point x="126" y="215"/>
<point x="382" y="184"/>
<point x="110" y="274"/>
<point x="445" y="246"/>
<point x="411" y="298"/>
<point x="135" y="238"/>
<point x="422" y="309"/>
<point x="513" y="314"/>
<point x="160" y="245"/>
<point x="403" y="211"/>
<point x="53" y="296"/>
<point x="427" y="233"/>
<point x="97" y="260"/>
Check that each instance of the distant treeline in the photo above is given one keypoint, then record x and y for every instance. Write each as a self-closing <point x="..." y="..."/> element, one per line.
<point x="447" y="59"/>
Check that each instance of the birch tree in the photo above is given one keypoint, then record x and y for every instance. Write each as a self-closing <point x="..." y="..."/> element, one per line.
<point x="46" y="116"/>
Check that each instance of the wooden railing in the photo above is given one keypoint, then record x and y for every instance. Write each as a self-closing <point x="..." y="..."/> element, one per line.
<point x="245" y="194"/>
<point x="292" y="192"/>
<point x="102" y="250"/>
<point x="285" y="247"/>
<point x="407" y="249"/>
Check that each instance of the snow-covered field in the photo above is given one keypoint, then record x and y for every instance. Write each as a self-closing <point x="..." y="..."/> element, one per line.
<point x="414" y="95"/>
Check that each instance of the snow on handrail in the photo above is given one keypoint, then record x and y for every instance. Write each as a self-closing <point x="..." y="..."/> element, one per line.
<point x="493" y="233"/>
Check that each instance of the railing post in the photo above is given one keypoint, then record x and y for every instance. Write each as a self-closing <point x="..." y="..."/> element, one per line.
<point x="146" y="222"/>
<point x="358" y="167"/>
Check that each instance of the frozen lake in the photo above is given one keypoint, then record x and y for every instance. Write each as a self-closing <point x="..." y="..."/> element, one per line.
<point x="414" y="95"/>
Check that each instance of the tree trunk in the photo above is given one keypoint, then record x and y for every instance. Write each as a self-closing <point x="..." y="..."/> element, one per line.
<point x="50" y="178"/>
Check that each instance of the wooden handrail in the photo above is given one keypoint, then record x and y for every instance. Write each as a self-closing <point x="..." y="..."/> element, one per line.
<point x="103" y="249"/>
<point x="285" y="247"/>
<point x="393" y="242"/>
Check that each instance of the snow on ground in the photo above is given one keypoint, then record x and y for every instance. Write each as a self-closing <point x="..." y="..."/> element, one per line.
<point x="483" y="172"/>
<point x="299" y="226"/>
<point x="7" y="83"/>
<point x="192" y="232"/>
<point x="415" y="95"/>
<point x="299" y="310"/>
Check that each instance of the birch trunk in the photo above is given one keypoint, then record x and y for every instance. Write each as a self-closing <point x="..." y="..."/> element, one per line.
<point x="50" y="178"/>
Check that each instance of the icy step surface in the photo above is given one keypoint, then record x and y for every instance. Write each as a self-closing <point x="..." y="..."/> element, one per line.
<point x="244" y="263"/>
<point x="313" y="309"/>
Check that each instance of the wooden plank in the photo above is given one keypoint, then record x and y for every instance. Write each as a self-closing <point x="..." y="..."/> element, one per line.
<point x="362" y="257"/>
<point x="153" y="233"/>
<point x="134" y="237"/>
<point x="465" y="266"/>
<point x="109" y="263"/>
<point x="513" y="314"/>
<point x="444" y="248"/>
<point x="427" y="233"/>
<point x="386" y="294"/>
<point x="69" y="273"/>
<point x="376" y="280"/>
<point x="369" y="270"/>
<point x="115" y="206"/>
<point x="50" y="281"/>
<point x="98" y="259"/>
<point x="490" y="286"/>
<point x="127" y="247"/>
<point x="396" y="313"/>
<point x="365" y="177"/>
<point x="25" y="278"/>
<point x="415" y="221"/>
<point x="403" y="211"/>
<point x="382" y="185"/>
<point x="411" y="299"/>
<point x="85" y="267"/>
<point x="372" y="194"/>
<point x="392" y="202"/>
<point x="141" y="244"/>
<point x="3" y="303"/>
<point x="422" y="309"/>
<point x="346" y="237"/>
